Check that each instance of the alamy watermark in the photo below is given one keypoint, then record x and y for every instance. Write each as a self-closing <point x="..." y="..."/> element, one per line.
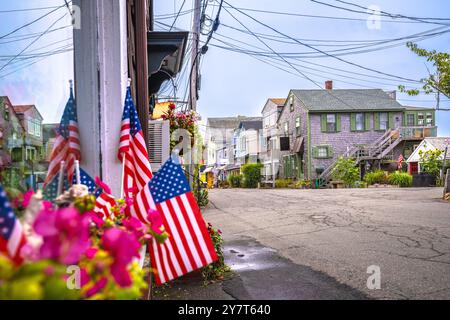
<point x="374" y="280"/>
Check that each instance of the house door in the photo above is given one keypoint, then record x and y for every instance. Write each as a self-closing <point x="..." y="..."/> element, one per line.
<point x="413" y="168"/>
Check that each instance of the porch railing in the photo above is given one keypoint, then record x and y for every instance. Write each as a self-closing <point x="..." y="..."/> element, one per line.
<point x="418" y="132"/>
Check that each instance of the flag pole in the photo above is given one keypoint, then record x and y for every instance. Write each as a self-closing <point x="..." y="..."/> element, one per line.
<point x="60" y="178"/>
<point x="77" y="171"/>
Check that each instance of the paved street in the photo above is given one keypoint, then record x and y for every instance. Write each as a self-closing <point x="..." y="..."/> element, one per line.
<point x="336" y="235"/>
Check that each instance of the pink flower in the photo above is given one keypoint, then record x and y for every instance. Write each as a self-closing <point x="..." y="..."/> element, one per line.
<point x="65" y="234"/>
<point x="91" y="252"/>
<point x="172" y="106"/>
<point x="123" y="247"/>
<point x="135" y="227"/>
<point x="27" y="197"/>
<point x="97" y="287"/>
<point x="95" y="217"/>
<point x="102" y="185"/>
<point x="155" y="221"/>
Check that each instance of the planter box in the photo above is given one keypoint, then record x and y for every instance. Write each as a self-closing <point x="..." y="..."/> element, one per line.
<point x="423" y="180"/>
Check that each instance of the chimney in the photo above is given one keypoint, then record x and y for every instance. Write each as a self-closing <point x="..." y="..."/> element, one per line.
<point x="329" y="85"/>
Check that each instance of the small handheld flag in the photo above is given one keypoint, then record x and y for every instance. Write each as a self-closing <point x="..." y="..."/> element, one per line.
<point x="67" y="143"/>
<point x="189" y="246"/>
<point x="12" y="238"/>
<point x="132" y="149"/>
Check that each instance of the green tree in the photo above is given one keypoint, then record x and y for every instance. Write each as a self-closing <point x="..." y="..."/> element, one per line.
<point x="252" y="174"/>
<point x="346" y="171"/>
<point x="437" y="82"/>
<point x="430" y="161"/>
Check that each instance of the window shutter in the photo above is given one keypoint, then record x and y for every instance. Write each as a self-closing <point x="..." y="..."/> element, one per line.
<point x="353" y="121"/>
<point x="158" y="143"/>
<point x="323" y="123"/>
<point x="315" y="152"/>
<point x="338" y="123"/>
<point x="391" y="120"/>
<point x="329" y="152"/>
<point x="367" y="121"/>
<point x="376" y="121"/>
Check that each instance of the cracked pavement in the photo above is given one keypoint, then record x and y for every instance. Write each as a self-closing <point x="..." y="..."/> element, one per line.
<point x="406" y="232"/>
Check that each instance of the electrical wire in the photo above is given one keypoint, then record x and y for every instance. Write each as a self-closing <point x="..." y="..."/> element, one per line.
<point x="178" y="14"/>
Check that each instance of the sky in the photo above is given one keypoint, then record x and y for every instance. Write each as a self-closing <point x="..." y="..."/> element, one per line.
<point x="234" y="83"/>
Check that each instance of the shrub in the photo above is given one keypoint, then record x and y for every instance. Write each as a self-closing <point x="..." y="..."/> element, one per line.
<point x="346" y="171"/>
<point x="401" y="179"/>
<point x="430" y="161"/>
<point x="252" y="174"/>
<point x="378" y="176"/>
<point x="303" y="184"/>
<point x="283" y="183"/>
<point x="235" y="180"/>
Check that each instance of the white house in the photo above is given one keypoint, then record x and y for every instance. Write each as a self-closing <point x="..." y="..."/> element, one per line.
<point x="427" y="144"/>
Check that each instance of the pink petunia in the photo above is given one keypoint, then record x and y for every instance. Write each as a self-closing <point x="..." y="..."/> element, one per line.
<point x="123" y="247"/>
<point x="156" y="221"/>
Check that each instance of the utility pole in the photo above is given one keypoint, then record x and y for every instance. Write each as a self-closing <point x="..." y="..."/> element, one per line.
<point x="196" y="25"/>
<point x="193" y="94"/>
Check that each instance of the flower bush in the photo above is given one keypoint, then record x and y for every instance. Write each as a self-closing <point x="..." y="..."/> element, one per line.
<point x="216" y="270"/>
<point x="376" y="177"/>
<point x="102" y="253"/>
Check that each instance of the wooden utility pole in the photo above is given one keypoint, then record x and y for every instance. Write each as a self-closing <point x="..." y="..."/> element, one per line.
<point x="196" y="25"/>
<point x="142" y="95"/>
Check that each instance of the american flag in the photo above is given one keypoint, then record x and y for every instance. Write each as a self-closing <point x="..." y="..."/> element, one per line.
<point x="400" y="161"/>
<point x="67" y="143"/>
<point x="12" y="238"/>
<point x="104" y="203"/>
<point x="51" y="191"/>
<point x="189" y="246"/>
<point x="137" y="171"/>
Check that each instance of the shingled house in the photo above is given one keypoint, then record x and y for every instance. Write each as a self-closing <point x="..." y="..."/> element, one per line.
<point x="367" y="124"/>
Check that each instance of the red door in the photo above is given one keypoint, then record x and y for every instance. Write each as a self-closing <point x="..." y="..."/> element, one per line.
<point x="413" y="167"/>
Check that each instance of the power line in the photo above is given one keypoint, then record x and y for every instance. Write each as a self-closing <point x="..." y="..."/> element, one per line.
<point x="31" y="43"/>
<point x="178" y="14"/>
<point x="32" y="22"/>
<point x="321" y="51"/>
<point x="27" y="9"/>
<point x="381" y="13"/>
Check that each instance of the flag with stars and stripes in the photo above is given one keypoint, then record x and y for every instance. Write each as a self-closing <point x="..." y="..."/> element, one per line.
<point x="12" y="238"/>
<point x="51" y="191"/>
<point x="132" y="149"/>
<point x="103" y="205"/>
<point x="189" y="246"/>
<point x="67" y="143"/>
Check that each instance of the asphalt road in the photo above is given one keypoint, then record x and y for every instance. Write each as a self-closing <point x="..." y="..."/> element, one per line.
<point x="329" y="239"/>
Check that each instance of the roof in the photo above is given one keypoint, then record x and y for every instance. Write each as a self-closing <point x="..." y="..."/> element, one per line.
<point x="346" y="100"/>
<point x="24" y="108"/>
<point x="251" y="124"/>
<point x="414" y="108"/>
<point x="437" y="142"/>
<point x="429" y="144"/>
<point x="278" y="101"/>
<point x="227" y="122"/>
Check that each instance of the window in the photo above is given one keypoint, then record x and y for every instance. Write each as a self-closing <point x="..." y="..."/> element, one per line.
<point x="297" y="126"/>
<point x="410" y="120"/>
<point x="331" y="122"/>
<point x="286" y="128"/>
<point x="429" y="119"/>
<point x="359" y="119"/>
<point x="322" y="152"/>
<point x="291" y="103"/>
<point x="37" y="129"/>
<point x="30" y="124"/>
<point x="420" y="119"/>
<point x="384" y="121"/>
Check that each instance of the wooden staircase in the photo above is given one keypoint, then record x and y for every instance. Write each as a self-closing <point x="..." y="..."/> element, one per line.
<point x="380" y="149"/>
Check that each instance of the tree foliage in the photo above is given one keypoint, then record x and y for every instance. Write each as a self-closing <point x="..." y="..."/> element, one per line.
<point x="346" y="171"/>
<point x="437" y="82"/>
<point x="430" y="161"/>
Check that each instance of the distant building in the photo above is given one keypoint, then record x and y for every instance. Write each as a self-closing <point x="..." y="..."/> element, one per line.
<point x="367" y="124"/>
<point x="248" y="137"/>
<point x="440" y="143"/>
<point x="269" y="156"/>
<point x="22" y="144"/>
